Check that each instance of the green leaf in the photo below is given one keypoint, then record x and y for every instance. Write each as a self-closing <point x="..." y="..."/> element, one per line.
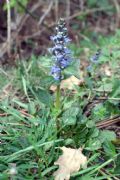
<point x="24" y="85"/>
<point x="4" y="176"/>
<point x="105" y="87"/>
<point x="23" y="105"/>
<point x="116" y="88"/>
<point x="99" y="112"/>
<point x="69" y="141"/>
<point x="86" y="177"/>
<point x="89" y="82"/>
<point x="90" y="124"/>
<point x="73" y="69"/>
<point x="92" y="3"/>
<point x="117" y="162"/>
<point x="43" y="96"/>
<point x="93" y="144"/>
<point x="69" y="116"/>
<point x="109" y="148"/>
<point x="95" y="133"/>
<point x="107" y="135"/>
<point x="31" y="108"/>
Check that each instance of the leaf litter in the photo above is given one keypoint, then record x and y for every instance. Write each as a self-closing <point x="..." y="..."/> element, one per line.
<point x="69" y="162"/>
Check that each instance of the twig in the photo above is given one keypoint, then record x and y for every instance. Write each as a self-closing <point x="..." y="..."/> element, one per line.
<point x="89" y="11"/>
<point x="116" y="4"/>
<point x="3" y="49"/>
<point x="101" y="91"/>
<point x="27" y="10"/>
<point x="25" y="17"/>
<point x="20" y="23"/>
<point x="2" y="70"/>
<point x="81" y="4"/>
<point x="56" y="9"/>
<point x="108" y="122"/>
<point x="22" y="111"/>
<point x="38" y="33"/>
<point x="26" y="114"/>
<point x="46" y="13"/>
<point x="108" y="98"/>
<point x="2" y="38"/>
<point x="67" y="10"/>
<point x="8" y="28"/>
<point x="4" y="114"/>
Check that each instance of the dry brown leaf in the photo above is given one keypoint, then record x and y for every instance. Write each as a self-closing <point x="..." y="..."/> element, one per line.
<point x="107" y="70"/>
<point x="6" y="91"/>
<point x="68" y="83"/>
<point x="69" y="162"/>
<point x="53" y="88"/>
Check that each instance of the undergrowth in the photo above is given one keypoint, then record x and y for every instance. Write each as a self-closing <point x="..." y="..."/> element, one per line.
<point x="30" y="140"/>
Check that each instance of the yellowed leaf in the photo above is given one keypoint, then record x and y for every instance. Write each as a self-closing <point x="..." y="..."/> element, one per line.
<point x="53" y="88"/>
<point x="68" y="83"/>
<point x="107" y="70"/>
<point x="69" y="162"/>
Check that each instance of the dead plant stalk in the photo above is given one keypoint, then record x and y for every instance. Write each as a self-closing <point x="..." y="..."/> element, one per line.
<point x="8" y="28"/>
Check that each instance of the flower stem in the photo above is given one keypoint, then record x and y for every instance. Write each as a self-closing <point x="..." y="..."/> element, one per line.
<point x="58" y="98"/>
<point x="58" y="106"/>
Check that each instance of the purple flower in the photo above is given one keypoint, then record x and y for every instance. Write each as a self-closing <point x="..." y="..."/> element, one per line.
<point x="57" y="38"/>
<point x="61" y="54"/>
<point x="67" y="51"/>
<point x="60" y="57"/>
<point x="64" y="63"/>
<point x="67" y="40"/>
<point x="56" y="72"/>
<point x="96" y="57"/>
<point x="94" y="60"/>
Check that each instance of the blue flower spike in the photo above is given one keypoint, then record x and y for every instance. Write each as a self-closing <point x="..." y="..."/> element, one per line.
<point x="95" y="58"/>
<point x="61" y="54"/>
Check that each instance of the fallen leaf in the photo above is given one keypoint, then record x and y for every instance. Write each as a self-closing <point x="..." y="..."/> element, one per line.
<point x="68" y="83"/>
<point x="107" y="70"/>
<point x="69" y="162"/>
<point x="6" y="91"/>
<point x="53" y="88"/>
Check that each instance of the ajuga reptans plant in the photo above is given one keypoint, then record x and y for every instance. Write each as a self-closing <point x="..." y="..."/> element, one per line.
<point x="94" y="60"/>
<point x="61" y="55"/>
